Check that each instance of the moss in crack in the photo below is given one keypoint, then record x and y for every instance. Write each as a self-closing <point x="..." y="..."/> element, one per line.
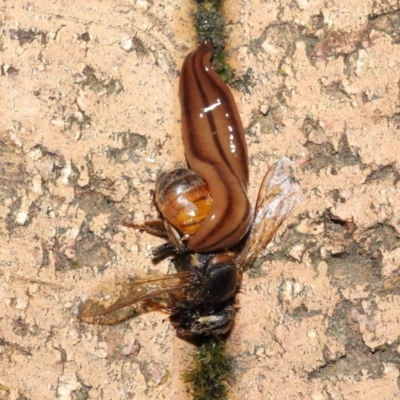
<point x="220" y="64"/>
<point x="211" y="371"/>
<point x="209" y="23"/>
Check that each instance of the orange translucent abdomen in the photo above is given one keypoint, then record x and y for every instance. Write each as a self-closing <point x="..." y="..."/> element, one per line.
<point x="183" y="199"/>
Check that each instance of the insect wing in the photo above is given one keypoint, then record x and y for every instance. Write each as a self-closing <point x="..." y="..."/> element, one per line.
<point x="279" y="195"/>
<point x="109" y="304"/>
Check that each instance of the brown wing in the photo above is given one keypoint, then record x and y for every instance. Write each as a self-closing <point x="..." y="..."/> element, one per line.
<point x="279" y="195"/>
<point x="108" y="305"/>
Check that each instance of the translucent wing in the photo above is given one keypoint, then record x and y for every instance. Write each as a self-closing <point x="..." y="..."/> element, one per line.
<point x="108" y="305"/>
<point x="279" y="195"/>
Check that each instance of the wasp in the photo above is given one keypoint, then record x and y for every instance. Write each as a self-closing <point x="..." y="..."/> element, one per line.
<point x="200" y="297"/>
<point x="207" y="221"/>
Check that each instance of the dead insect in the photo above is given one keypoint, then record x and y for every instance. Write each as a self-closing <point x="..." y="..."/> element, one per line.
<point x="199" y="299"/>
<point x="206" y="214"/>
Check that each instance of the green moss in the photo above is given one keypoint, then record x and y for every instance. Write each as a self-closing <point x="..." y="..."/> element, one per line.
<point x="75" y="265"/>
<point x="209" y="23"/>
<point x="210" y="372"/>
<point x="221" y="65"/>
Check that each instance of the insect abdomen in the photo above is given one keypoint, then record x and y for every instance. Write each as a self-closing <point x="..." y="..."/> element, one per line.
<point x="183" y="199"/>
